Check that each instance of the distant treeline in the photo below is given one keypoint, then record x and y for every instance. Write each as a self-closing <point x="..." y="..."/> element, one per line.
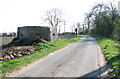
<point x="11" y="34"/>
<point x="67" y="33"/>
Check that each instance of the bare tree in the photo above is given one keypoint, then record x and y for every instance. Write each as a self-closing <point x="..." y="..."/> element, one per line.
<point x="54" y="17"/>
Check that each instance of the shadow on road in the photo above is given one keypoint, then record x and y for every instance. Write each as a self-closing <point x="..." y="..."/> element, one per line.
<point x="98" y="72"/>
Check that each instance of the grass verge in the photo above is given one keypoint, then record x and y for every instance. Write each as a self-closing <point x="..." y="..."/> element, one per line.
<point x="110" y="49"/>
<point x="44" y="49"/>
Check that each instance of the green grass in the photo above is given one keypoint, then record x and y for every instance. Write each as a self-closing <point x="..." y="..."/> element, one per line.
<point x="44" y="49"/>
<point x="110" y="49"/>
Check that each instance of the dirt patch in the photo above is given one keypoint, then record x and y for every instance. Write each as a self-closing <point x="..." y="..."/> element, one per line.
<point x="15" y="52"/>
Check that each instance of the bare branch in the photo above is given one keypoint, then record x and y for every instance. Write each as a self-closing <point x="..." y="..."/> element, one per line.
<point x="54" y="17"/>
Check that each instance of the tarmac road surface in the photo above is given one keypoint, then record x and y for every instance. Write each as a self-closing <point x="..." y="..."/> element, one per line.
<point x="76" y="60"/>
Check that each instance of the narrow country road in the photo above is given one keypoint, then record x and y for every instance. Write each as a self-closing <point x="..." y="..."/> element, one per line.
<point x="76" y="60"/>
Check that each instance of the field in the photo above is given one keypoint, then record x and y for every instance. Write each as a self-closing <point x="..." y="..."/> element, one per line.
<point x="5" y="40"/>
<point x="66" y="36"/>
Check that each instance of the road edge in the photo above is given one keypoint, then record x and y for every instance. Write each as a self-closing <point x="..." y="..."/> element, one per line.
<point x="102" y="63"/>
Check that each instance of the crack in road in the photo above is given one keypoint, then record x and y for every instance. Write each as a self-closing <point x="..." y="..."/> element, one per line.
<point x="53" y="72"/>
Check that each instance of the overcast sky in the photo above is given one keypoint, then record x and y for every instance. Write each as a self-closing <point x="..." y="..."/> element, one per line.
<point x="18" y="13"/>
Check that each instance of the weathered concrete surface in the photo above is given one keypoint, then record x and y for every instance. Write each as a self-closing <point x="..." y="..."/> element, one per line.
<point x="77" y="60"/>
<point x="34" y="32"/>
